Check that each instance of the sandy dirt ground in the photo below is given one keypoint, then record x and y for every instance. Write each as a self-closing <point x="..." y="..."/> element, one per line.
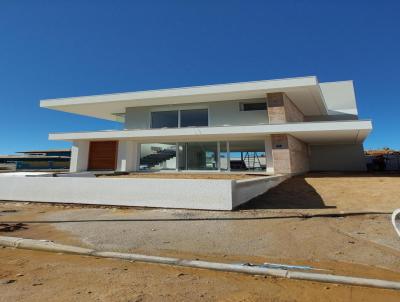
<point x="39" y="276"/>
<point x="363" y="245"/>
<point x="334" y="191"/>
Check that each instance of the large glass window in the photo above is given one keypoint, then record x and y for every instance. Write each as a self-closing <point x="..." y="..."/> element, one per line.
<point x="158" y="156"/>
<point x="179" y="118"/>
<point x="253" y="106"/>
<point x="226" y="156"/>
<point x="198" y="156"/>
<point x="164" y="119"/>
<point x="247" y="155"/>
<point x="194" y="117"/>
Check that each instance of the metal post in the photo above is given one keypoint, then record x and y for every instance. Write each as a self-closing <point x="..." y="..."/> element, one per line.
<point x="228" y="156"/>
<point x="218" y="156"/>
<point x="177" y="157"/>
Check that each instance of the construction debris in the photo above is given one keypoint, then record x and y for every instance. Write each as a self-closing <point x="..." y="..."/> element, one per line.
<point x="11" y="227"/>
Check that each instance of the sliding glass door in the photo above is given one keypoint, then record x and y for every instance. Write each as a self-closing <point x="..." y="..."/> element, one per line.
<point x="198" y="156"/>
<point x="206" y="156"/>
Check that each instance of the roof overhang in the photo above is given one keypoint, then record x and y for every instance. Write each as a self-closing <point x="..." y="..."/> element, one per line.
<point x="305" y="92"/>
<point x="337" y="132"/>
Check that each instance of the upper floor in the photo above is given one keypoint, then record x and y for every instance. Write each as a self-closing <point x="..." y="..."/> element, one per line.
<point x="239" y="104"/>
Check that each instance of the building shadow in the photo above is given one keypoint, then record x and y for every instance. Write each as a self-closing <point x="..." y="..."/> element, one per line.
<point x="294" y="193"/>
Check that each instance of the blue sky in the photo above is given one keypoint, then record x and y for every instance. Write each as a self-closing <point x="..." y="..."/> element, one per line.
<point x="51" y="49"/>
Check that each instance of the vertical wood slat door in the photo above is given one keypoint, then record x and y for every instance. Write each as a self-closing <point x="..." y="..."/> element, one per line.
<point x="103" y="155"/>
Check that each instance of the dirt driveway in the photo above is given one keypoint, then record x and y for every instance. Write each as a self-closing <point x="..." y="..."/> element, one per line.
<point x="362" y="245"/>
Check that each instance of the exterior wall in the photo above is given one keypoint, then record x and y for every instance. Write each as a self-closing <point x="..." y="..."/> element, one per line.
<point x="290" y="155"/>
<point x="339" y="97"/>
<point x="228" y="113"/>
<point x="219" y="114"/>
<point x="79" y="156"/>
<point x="245" y="190"/>
<point x="137" y="118"/>
<point x="299" y="156"/>
<point x="282" y="110"/>
<point x="337" y="158"/>
<point x="166" y="193"/>
<point x="293" y="114"/>
<point x="275" y="108"/>
<point x="208" y="194"/>
<point x="128" y="156"/>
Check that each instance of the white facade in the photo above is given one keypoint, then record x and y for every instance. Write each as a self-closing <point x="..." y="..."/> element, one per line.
<point x="170" y="193"/>
<point x="280" y="127"/>
<point x="302" y="121"/>
<point x="219" y="114"/>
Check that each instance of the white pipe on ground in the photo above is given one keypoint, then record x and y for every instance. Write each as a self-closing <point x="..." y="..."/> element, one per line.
<point x="254" y="270"/>
<point x="396" y="220"/>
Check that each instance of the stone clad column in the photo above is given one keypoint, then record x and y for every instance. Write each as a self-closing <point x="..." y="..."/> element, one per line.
<point x="275" y="108"/>
<point x="128" y="154"/>
<point x="269" y="162"/>
<point x="280" y="154"/>
<point x="290" y="154"/>
<point x="79" y="156"/>
<point x="281" y="109"/>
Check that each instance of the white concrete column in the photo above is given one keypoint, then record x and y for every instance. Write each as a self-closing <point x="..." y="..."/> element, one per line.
<point x="219" y="156"/>
<point x="177" y="156"/>
<point x="269" y="161"/>
<point x="128" y="154"/>
<point x="228" y="157"/>
<point x="79" y="156"/>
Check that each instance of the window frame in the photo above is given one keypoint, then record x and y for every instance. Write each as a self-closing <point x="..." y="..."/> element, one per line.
<point x="191" y="109"/>
<point x="151" y="119"/>
<point x="179" y="109"/>
<point x="243" y="104"/>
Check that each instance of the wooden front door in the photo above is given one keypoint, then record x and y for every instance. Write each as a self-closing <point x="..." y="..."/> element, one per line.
<point x="103" y="155"/>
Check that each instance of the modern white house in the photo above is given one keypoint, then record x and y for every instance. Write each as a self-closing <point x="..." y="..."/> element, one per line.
<point x="269" y="130"/>
<point x="283" y="126"/>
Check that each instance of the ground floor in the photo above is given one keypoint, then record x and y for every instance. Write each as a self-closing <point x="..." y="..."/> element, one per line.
<point x="271" y="154"/>
<point x="276" y="157"/>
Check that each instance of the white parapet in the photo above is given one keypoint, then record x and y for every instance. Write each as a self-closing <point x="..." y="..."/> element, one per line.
<point x="208" y="194"/>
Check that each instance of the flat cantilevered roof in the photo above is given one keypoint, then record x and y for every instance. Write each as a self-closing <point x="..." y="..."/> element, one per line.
<point x="338" y="132"/>
<point x="305" y="92"/>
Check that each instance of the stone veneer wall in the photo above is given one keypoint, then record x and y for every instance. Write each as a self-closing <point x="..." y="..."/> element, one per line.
<point x="290" y="155"/>
<point x="281" y="109"/>
<point x="293" y="114"/>
<point x="275" y="108"/>
<point x="299" y="155"/>
<point x="280" y="153"/>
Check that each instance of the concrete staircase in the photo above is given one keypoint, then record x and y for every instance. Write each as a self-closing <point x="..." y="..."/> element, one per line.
<point x="155" y="159"/>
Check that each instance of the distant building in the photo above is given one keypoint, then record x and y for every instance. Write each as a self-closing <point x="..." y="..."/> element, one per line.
<point x="383" y="160"/>
<point x="37" y="160"/>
